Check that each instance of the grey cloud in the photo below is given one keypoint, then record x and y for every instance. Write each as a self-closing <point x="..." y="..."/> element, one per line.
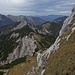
<point x="36" y="7"/>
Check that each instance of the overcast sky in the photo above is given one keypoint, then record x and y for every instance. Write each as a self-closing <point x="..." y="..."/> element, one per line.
<point x="36" y="7"/>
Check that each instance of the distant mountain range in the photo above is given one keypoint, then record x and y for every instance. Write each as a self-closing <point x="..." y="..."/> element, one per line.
<point x="50" y="17"/>
<point x="10" y="19"/>
<point x="28" y="19"/>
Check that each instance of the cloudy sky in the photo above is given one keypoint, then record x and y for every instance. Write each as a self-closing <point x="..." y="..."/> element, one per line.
<point x="36" y="7"/>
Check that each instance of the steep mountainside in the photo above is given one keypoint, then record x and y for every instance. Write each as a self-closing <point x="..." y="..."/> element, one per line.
<point x="5" y="21"/>
<point x="62" y="61"/>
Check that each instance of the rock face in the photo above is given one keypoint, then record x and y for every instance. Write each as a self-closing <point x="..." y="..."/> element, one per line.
<point x="21" y="25"/>
<point x="26" y="46"/>
<point x="68" y="22"/>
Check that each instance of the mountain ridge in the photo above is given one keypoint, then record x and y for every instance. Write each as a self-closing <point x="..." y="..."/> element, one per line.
<point x="50" y="17"/>
<point x="28" y="19"/>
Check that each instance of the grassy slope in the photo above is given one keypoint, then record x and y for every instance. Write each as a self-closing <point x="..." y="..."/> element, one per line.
<point x="23" y="68"/>
<point x="43" y="41"/>
<point x="62" y="62"/>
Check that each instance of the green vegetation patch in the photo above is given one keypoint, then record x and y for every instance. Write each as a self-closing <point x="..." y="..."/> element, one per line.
<point x="7" y="46"/>
<point x="12" y="64"/>
<point x="1" y="73"/>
